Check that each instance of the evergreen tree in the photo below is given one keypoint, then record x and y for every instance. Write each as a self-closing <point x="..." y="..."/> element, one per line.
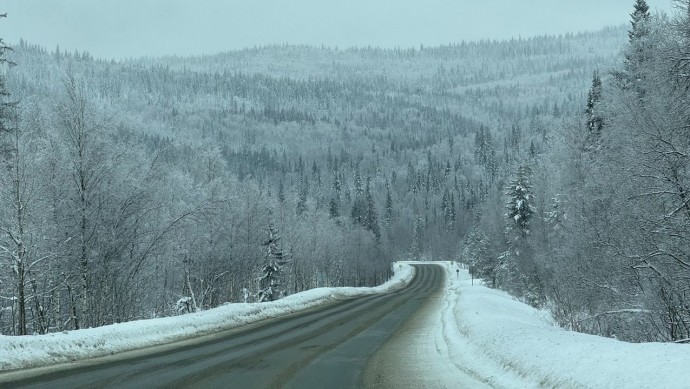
<point x="637" y="51"/>
<point x="333" y="208"/>
<point x="520" y="208"/>
<point x="445" y="205"/>
<point x="281" y="192"/>
<point x="477" y="255"/>
<point x="515" y="137"/>
<point x="595" y="122"/>
<point x="274" y="260"/>
<point x="639" y="17"/>
<point x="388" y="215"/>
<point x="359" y="188"/>
<point x="415" y="248"/>
<point x="303" y="193"/>
<point x="358" y="211"/>
<point x="452" y="214"/>
<point x="337" y="184"/>
<point x="372" y="222"/>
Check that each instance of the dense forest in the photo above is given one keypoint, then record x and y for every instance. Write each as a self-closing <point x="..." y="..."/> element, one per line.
<point x="555" y="166"/>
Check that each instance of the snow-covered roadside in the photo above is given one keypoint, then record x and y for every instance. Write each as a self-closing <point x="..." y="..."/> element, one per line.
<point x="485" y="327"/>
<point x="42" y="350"/>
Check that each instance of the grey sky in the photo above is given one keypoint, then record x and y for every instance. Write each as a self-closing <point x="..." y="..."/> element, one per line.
<point x="133" y="28"/>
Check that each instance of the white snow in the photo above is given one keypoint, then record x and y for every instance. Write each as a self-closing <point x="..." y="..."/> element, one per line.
<point x="472" y="334"/>
<point x="19" y="352"/>
<point x="488" y="331"/>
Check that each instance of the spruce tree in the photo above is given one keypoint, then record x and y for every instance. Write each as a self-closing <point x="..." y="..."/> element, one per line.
<point x="520" y="208"/>
<point x="595" y="123"/>
<point x="281" y="192"/>
<point x="333" y="208"/>
<point x="337" y="184"/>
<point x="445" y="205"/>
<point x="637" y="51"/>
<point x="388" y="215"/>
<point x="639" y="17"/>
<point x="452" y="214"/>
<point x="358" y="211"/>
<point x="371" y="218"/>
<point x="303" y="194"/>
<point x="415" y="248"/>
<point x="274" y="260"/>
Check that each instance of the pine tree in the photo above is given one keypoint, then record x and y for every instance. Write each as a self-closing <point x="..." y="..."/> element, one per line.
<point x="359" y="188"/>
<point x="274" y="260"/>
<point x="337" y="184"/>
<point x="452" y="215"/>
<point x="637" y="51"/>
<point x="520" y="208"/>
<point x="556" y="111"/>
<point x="388" y="215"/>
<point x="415" y="248"/>
<point x="445" y="205"/>
<point x="515" y="137"/>
<point x="476" y="253"/>
<point x="358" y="211"/>
<point x="333" y="208"/>
<point x="595" y="122"/>
<point x="372" y="222"/>
<point x="639" y="16"/>
<point x="303" y="194"/>
<point x="281" y="192"/>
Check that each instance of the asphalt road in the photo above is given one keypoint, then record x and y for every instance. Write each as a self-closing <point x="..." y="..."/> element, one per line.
<point x="325" y="348"/>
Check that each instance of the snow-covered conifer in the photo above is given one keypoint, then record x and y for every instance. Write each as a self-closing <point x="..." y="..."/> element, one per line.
<point x="274" y="260"/>
<point x="520" y="206"/>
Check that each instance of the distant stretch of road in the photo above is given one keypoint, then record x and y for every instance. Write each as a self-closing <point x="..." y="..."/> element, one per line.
<point x="325" y="348"/>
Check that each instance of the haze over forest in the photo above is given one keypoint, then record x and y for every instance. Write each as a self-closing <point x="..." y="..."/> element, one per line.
<point x="133" y="28"/>
<point x="557" y="166"/>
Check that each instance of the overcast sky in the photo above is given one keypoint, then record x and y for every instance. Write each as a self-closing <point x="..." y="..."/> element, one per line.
<point x="134" y="28"/>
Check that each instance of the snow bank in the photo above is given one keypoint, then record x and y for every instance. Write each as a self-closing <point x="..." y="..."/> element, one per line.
<point x="41" y="350"/>
<point x="474" y="331"/>
<point x="526" y="344"/>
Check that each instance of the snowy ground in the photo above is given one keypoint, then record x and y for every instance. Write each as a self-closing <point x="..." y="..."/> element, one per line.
<point x="485" y="329"/>
<point x="470" y="334"/>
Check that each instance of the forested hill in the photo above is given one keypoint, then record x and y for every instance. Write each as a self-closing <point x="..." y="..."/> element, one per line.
<point x="148" y="185"/>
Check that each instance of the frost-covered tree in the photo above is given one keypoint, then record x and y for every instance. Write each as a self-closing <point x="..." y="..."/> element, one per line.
<point x="520" y="208"/>
<point x="637" y="53"/>
<point x="333" y="208"/>
<point x="476" y="252"/>
<point x="388" y="212"/>
<point x="274" y="260"/>
<point x="364" y="210"/>
<point x="415" y="249"/>
<point x="303" y="195"/>
<point x="372" y="219"/>
<point x="14" y="226"/>
<point x="142" y="256"/>
<point x="639" y="18"/>
<point x="594" y="119"/>
<point x="6" y="107"/>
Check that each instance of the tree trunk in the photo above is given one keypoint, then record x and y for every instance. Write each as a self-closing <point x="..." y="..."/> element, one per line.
<point x="21" y="325"/>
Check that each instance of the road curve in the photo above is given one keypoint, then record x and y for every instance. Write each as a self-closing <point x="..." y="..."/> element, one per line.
<point x="325" y="348"/>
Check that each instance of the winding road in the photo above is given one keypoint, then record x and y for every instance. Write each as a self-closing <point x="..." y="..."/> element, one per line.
<point x="325" y="348"/>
